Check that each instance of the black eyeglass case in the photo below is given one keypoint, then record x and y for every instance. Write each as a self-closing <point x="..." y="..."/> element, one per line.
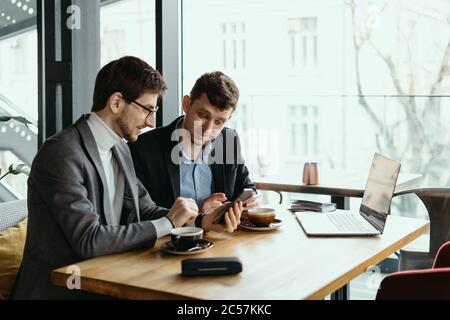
<point x="211" y="266"/>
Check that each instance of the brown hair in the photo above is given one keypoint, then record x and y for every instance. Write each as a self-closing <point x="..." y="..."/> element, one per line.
<point x="222" y="92"/>
<point x="130" y="76"/>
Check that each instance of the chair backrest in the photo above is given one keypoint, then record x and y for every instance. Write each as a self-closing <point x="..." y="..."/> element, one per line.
<point x="437" y="202"/>
<point x="11" y="213"/>
<point x="420" y="284"/>
<point x="443" y="257"/>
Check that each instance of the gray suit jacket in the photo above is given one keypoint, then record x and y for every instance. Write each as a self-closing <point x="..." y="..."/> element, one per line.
<point x="69" y="221"/>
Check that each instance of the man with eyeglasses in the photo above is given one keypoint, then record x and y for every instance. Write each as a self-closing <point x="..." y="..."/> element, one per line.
<point x="197" y="156"/>
<point x="84" y="199"/>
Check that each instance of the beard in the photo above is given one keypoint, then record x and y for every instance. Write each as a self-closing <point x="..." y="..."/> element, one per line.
<point x="123" y="123"/>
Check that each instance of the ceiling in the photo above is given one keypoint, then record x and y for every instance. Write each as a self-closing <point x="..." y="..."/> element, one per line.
<point x="12" y="12"/>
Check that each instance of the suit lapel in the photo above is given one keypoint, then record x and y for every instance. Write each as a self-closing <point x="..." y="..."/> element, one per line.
<point x="218" y="176"/>
<point x="217" y="166"/>
<point x="173" y="169"/>
<point x="92" y="151"/>
<point x="125" y="162"/>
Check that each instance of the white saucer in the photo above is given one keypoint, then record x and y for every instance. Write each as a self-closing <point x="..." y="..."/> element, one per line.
<point x="202" y="246"/>
<point x="274" y="225"/>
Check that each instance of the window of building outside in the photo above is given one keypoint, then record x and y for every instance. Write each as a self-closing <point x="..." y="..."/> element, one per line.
<point x="380" y="82"/>
<point x="234" y="45"/>
<point x="18" y="91"/>
<point x="302" y="34"/>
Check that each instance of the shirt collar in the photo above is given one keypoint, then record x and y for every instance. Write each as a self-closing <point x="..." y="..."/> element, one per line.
<point x="204" y="154"/>
<point x="104" y="136"/>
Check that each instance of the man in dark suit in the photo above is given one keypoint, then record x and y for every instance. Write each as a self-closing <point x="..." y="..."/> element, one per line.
<point x="197" y="156"/>
<point x="84" y="199"/>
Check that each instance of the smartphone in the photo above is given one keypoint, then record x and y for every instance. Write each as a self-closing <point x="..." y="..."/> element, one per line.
<point x="245" y="195"/>
<point x="257" y="196"/>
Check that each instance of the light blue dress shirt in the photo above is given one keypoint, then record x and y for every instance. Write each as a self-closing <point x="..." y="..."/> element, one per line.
<point x="196" y="179"/>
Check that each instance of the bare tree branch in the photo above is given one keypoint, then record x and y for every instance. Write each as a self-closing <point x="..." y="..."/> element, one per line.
<point x="442" y="70"/>
<point x="392" y="69"/>
<point x="422" y="140"/>
<point x="362" y="100"/>
<point x="406" y="102"/>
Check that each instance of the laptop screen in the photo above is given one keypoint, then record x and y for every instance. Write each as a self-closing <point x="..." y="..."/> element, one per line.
<point x="379" y="191"/>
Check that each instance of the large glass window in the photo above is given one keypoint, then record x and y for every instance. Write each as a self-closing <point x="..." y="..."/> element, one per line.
<point x="127" y="27"/>
<point x="334" y="81"/>
<point x="18" y="90"/>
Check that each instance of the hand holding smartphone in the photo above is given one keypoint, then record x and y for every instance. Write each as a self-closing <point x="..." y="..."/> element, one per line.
<point x="245" y="196"/>
<point x="256" y="196"/>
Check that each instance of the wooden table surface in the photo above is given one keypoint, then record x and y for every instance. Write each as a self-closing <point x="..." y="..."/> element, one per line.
<point x="342" y="184"/>
<point x="279" y="264"/>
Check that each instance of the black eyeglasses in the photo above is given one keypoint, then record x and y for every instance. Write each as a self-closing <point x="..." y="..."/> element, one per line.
<point x="151" y="110"/>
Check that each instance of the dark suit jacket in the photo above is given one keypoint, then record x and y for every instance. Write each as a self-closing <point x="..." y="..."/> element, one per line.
<point x="161" y="176"/>
<point x="68" y="219"/>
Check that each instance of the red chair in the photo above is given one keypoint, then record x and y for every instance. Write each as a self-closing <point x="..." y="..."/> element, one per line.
<point x="428" y="284"/>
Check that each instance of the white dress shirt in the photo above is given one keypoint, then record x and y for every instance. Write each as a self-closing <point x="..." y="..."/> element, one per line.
<point x="106" y="139"/>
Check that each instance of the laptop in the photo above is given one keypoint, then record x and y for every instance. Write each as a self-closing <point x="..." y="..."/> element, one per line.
<point x="372" y="215"/>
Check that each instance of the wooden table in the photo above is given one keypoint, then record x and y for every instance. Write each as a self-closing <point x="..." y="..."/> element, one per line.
<point x="280" y="264"/>
<point x="342" y="185"/>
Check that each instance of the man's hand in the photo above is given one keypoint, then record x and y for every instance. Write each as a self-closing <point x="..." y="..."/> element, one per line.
<point x="252" y="202"/>
<point x="183" y="211"/>
<point x="232" y="219"/>
<point x="211" y="202"/>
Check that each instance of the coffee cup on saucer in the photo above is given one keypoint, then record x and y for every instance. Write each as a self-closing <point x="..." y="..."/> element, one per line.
<point x="186" y="237"/>
<point x="261" y="217"/>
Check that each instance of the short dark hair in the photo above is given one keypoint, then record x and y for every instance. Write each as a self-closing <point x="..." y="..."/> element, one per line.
<point x="222" y="92"/>
<point x="128" y="75"/>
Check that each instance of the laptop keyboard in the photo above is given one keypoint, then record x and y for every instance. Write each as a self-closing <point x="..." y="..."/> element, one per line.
<point x="347" y="222"/>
